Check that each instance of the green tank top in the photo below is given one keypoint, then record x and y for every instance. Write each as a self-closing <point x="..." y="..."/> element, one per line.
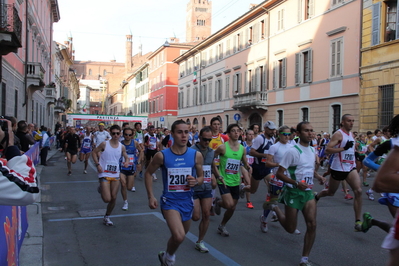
<point x="230" y="165"/>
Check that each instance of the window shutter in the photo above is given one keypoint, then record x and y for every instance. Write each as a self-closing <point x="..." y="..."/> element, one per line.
<point x="256" y="32"/>
<point x="397" y="20"/>
<point x="234" y="43"/>
<point x="299" y="11"/>
<point x="275" y="75"/>
<point x="220" y="89"/>
<point x="265" y="70"/>
<point x="254" y="82"/>
<point x="239" y="79"/>
<point x="339" y="51"/>
<point x="375" y="29"/>
<point x="310" y="64"/>
<point x="311" y="8"/>
<point x="257" y="79"/>
<point x="284" y="73"/>
<point x="246" y="82"/>
<point x="242" y="40"/>
<point x="297" y="57"/>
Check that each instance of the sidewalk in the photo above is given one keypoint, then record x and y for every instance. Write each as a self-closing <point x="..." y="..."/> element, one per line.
<point x="31" y="252"/>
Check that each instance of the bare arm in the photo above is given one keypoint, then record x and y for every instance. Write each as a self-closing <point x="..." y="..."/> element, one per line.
<point x="270" y="161"/>
<point x="219" y="151"/>
<point x="96" y="156"/>
<point x="124" y="154"/>
<point x="336" y="138"/>
<point x="156" y="162"/>
<point x="254" y="153"/>
<point x="199" y="161"/>
<point x="387" y="179"/>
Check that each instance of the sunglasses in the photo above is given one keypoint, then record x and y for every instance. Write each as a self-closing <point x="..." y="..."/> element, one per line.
<point x="128" y="135"/>
<point x="285" y="134"/>
<point x="206" y="140"/>
<point x="115" y="133"/>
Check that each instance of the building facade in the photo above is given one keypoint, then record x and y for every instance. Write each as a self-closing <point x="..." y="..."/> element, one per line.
<point x="379" y="94"/>
<point x="163" y="79"/>
<point x="25" y="72"/>
<point x="198" y="20"/>
<point x="284" y="61"/>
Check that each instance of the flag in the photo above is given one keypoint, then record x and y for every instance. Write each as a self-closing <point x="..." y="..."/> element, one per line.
<point x="195" y="76"/>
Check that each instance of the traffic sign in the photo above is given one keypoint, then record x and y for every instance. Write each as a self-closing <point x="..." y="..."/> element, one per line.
<point x="237" y="117"/>
<point x="162" y="119"/>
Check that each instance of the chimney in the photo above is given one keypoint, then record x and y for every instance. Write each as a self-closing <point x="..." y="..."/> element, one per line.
<point x="129" y="53"/>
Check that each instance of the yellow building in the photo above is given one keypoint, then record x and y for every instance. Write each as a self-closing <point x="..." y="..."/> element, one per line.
<point x="379" y="67"/>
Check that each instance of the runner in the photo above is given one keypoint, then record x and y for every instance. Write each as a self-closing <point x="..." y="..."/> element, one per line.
<point x="203" y="194"/>
<point x="127" y="174"/>
<point x="360" y="154"/>
<point x="228" y="175"/>
<point x="217" y="140"/>
<point x="273" y="159"/>
<point x="387" y="180"/>
<point x="85" y="150"/>
<point x="193" y="135"/>
<point x="181" y="170"/>
<point x="343" y="166"/>
<point x="152" y="146"/>
<point x="260" y="147"/>
<point x="296" y="170"/>
<point x="250" y="159"/>
<point x="100" y="136"/>
<point x="72" y="147"/>
<point x="106" y="157"/>
<point x="140" y="139"/>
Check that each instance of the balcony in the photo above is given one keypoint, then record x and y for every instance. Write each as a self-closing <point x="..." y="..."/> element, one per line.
<point x="59" y="106"/>
<point x="250" y="100"/>
<point x="50" y="92"/>
<point x="35" y="75"/>
<point x="10" y="29"/>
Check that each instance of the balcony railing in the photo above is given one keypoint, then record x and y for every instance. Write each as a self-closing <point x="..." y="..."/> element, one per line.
<point x="251" y="100"/>
<point x="59" y="106"/>
<point x="10" y="23"/>
<point x="35" y="74"/>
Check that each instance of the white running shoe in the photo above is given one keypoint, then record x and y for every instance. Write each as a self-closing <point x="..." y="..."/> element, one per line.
<point x="222" y="231"/>
<point x="84" y="172"/>
<point x="296" y="232"/>
<point x="133" y="189"/>
<point x="263" y="224"/>
<point x="201" y="247"/>
<point x="274" y="217"/>
<point x="164" y="261"/>
<point x="125" y="206"/>
<point x="107" y="221"/>
<point x="154" y="177"/>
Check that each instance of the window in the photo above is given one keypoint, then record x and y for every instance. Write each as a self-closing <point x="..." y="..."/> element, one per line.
<point x="280" y="117"/>
<point x="280" y="20"/>
<point x="303" y="67"/>
<point x="227" y="89"/>
<point x="305" y="9"/>
<point x="90" y="72"/>
<point x="336" y="117"/>
<point x="305" y="114"/>
<point x="237" y="83"/>
<point x="262" y="78"/>
<point x="336" y="57"/>
<point x="204" y="93"/>
<point x="220" y="51"/>
<point x="195" y="95"/>
<point x="210" y="56"/>
<point x="279" y="73"/>
<point x="104" y="72"/>
<point x="336" y="2"/>
<point x="250" y="36"/>
<point x="385" y="105"/>
<point x="392" y="23"/>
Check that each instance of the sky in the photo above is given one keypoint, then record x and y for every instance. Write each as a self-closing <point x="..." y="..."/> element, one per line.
<point x="99" y="27"/>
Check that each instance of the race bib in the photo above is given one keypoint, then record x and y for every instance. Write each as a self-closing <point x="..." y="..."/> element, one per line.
<point x="177" y="179"/>
<point x="276" y="182"/>
<point x="86" y="145"/>
<point x="250" y="159"/>
<point x="207" y="173"/>
<point x="131" y="159"/>
<point x="307" y="178"/>
<point x="348" y="158"/>
<point x="264" y="158"/>
<point x="111" y="167"/>
<point x="217" y="161"/>
<point x="232" y="166"/>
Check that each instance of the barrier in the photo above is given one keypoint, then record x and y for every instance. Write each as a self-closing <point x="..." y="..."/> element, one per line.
<point x="15" y="221"/>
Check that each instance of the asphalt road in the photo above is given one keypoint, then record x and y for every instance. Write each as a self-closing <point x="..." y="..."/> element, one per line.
<point x="73" y="232"/>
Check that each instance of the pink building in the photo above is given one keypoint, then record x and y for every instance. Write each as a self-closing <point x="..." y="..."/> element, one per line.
<point x="285" y="61"/>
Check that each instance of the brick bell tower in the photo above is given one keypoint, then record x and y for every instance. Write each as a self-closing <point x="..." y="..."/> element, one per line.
<point x="198" y="20"/>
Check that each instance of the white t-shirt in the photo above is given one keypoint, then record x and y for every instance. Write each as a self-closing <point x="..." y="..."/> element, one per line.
<point x="101" y="136"/>
<point x="301" y="160"/>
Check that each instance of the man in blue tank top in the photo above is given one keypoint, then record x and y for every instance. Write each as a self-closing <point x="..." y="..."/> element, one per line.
<point x="181" y="171"/>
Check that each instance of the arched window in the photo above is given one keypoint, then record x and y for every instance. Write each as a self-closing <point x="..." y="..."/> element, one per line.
<point x="90" y="72"/>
